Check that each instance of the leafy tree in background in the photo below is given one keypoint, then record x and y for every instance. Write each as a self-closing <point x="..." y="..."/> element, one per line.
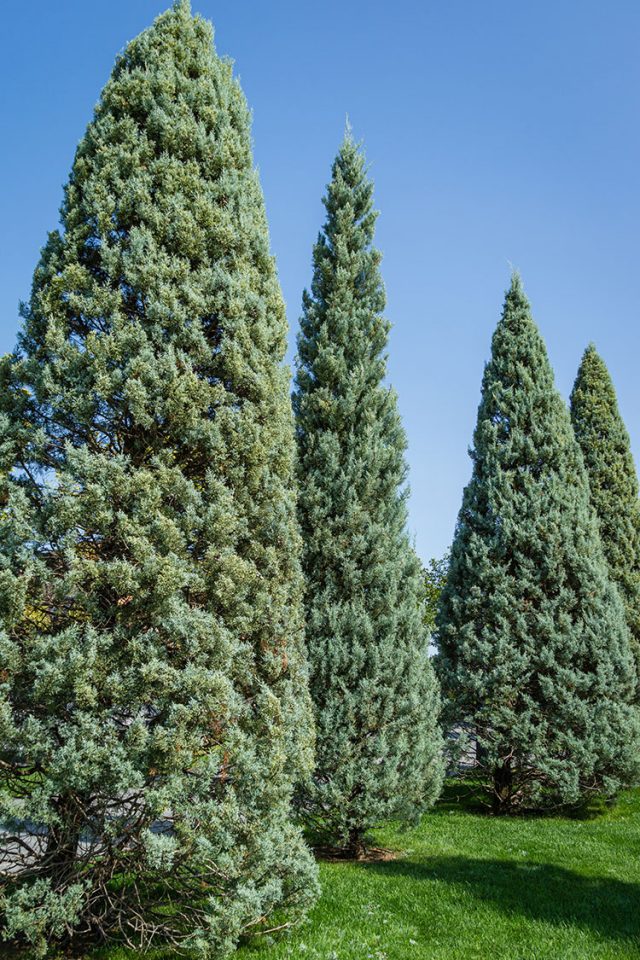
<point x="154" y="712"/>
<point x="534" y="651"/>
<point x="434" y="577"/>
<point x="375" y="695"/>
<point x="613" y="481"/>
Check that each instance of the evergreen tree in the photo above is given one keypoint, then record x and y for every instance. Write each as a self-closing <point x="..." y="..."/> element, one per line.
<point x="154" y="712"/>
<point x="375" y="694"/>
<point x="613" y="481"/>
<point x="534" y="651"/>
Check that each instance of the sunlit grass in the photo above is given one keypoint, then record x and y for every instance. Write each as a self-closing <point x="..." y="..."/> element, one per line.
<point x="467" y="886"/>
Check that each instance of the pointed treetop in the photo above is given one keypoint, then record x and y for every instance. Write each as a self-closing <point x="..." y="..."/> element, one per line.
<point x="593" y="365"/>
<point x="349" y="197"/>
<point x="364" y="616"/>
<point x="593" y="370"/>
<point x="515" y="295"/>
<point x="183" y="6"/>
<point x="516" y="281"/>
<point x="350" y="148"/>
<point x="516" y="310"/>
<point x="592" y="358"/>
<point x="606" y="447"/>
<point x="528" y="602"/>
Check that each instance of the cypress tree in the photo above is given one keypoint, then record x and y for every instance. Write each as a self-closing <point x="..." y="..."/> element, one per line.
<point x="375" y="694"/>
<point x="534" y="652"/>
<point x="154" y="712"/>
<point x="613" y="481"/>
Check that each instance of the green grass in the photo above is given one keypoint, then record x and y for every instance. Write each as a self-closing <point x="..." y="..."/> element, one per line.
<point x="466" y="886"/>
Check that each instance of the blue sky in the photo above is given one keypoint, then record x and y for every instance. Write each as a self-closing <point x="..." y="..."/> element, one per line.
<point x="498" y="133"/>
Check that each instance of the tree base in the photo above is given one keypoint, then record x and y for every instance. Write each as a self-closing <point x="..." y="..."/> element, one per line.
<point x="361" y="854"/>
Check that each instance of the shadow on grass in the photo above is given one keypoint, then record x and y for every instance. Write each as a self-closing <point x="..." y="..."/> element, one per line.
<point x="462" y="795"/>
<point x="537" y="891"/>
<point x="469" y="795"/>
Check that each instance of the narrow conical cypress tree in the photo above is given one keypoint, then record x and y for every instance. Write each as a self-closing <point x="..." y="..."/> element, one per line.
<point x="534" y="652"/>
<point x="375" y="695"/>
<point x="154" y="712"/>
<point x="613" y="481"/>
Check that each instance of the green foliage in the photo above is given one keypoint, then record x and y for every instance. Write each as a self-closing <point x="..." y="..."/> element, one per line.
<point x="434" y="577"/>
<point x="613" y="481"/>
<point x="534" y="652"/>
<point x="465" y="886"/>
<point x="154" y="712"/>
<point x="376" y="699"/>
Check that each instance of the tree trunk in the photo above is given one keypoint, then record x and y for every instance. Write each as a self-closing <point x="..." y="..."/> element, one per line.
<point x="355" y="844"/>
<point x="62" y="841"/>
<point x="502" y="787"/>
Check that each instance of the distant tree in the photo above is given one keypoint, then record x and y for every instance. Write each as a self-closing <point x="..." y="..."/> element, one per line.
<point x="434" y="577"/>
<point x="613" y="481"/>
<point x="375" y="695"/>
<point x="534" y="651"/>
<point x="154" y="712"/>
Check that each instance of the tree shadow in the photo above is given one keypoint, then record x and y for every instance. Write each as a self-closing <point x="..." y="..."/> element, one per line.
<point x="538" y="891"/>
<point x="469" y="794"/>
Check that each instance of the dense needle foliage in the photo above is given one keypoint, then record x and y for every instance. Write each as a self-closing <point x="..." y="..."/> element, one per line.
<point x="153" y="704"/>
<point x="613" y="481"/>
<point x="375" y="695"/>
<point x="534" y="651"/>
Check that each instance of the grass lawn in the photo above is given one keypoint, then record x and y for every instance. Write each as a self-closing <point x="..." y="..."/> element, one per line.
<point x="466" y="886"/>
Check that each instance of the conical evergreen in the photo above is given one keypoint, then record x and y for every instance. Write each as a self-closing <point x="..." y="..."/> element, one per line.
<point x="613" y="481"/>
<point x="534" y="652"/>
<point x="375" y="695"/>
<point x="154" y="712"/>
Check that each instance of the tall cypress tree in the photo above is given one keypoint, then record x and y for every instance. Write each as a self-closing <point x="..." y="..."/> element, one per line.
<point x="375" y="695"/>
<point x="154" y="712"/>
<point x="613" y="481"/>
<point x="534" y="652"/>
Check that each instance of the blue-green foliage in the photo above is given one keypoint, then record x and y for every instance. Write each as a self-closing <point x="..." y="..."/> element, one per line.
<point x="613" y="481"/>
<point x="534" y="652"/>
<point x="375" y="695"/>
<point x="153" y="704"/>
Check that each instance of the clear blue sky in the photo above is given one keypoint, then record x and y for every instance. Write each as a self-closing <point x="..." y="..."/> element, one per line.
<point x="498" y="133"/>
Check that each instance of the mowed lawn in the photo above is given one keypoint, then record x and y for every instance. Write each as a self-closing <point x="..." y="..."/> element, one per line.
<point x="467" y="886"/>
